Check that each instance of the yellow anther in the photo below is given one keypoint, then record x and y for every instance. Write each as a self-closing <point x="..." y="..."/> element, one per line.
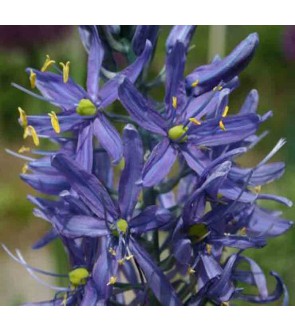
<point x="129" y="257"/>
<point x="78" y="276"/>
<point x="112" y="281"/>
<point x="217" y="88"/>
<point x="112" y="251"/>
<point x="219" y="195"/>
<point x="22" y="117"/>
<point x="243" y="231"/>
<point x="54" y="122"/>
<point x="65" y="298"/>
<point x="221" y="125"/>
<point x="174" y="102"/>
<point x="209" y="248"/>
<point x="24" y="149"/>
<point x="121" y="261"/>
<point x="225" y="304"/>
<point x="226" y="234"/>
<point x="65" y="70"/>
<point x="190" y="270"/>
<point x="32" y="79"/>
<point x="25" y="168"/>
<point x="257" y="189"/>
<point x="30" y="131"/>
<point x="195" y="121"/>
<point x="195" y="83"/>
<point x="48" y="62"/>
<point x="226" y="109"/>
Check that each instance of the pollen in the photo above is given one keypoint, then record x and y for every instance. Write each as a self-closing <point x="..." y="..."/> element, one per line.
<point x="129" y="257"/>
<point x="217" y="88"/>
<point x="25" y="168"/>
<point x="23" y="117"/>
<point x="174" y="102"/>
<point x="178" y="132"/>
<point x="122" y="225"/>
<point x="195" y="83"/>
<point x="112" y="281"/>
<point x="226" y="109"/>
<point x="32" y="79"/>
<point x="221" y="125"/>
<point x="190" y="270"/>
<point x="86" y="108"/>
<point x="208" y="249"/>
<point x="54" y="122"/>
<point x="30" y="131"/>
<point x="195" y="121"/>
<point x="65" y="70"/>
<point x="78" y="276"/>
<point x="112" y="251"/>
<point x="48" y="62"/>
<point x="24" y="149"/>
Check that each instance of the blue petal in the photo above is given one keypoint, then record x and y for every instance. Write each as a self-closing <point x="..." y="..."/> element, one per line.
<point x="211" y="75"/>
<point x="89" y="188"/>
<point x="159" y="163"/>
<point x="156" y="280"/>
<point x="182" y="33"/>
<point x="133" y="155"/>
<point x="84" y="151"/>
<point x="139" y="109"/>
<point x="142" y="34"/>
<point x="95" y="58"/>
<point x="108" y="137"/>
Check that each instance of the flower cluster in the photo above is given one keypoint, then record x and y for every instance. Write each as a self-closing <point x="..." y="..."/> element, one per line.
<point x="158" y="212"/>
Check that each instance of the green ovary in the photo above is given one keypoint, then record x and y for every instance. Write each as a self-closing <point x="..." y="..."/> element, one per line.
<point x="176" y="132"/>
<point x="122" y="225"/>
<point x="78" y="276"/>
<point x="86" y="108"/>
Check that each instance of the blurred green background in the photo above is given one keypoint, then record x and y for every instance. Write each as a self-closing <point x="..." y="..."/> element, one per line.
<point x="271" y="72"/>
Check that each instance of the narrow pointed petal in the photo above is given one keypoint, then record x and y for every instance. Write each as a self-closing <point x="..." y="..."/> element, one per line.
<point x="95" y="58"/>
<point x="133" y="155"/>
<point x="52" y="87"/>
<point x="108" y="137"/>
<point x="251" y="103"/>
<point x="90" y="294"/>
<point x="182" y="33"/>
<point x="237" y="128"/>
<point x="159" y="163"/>
<point x="239" y="242"/>
<point x="156" y="280"/>
<point x="142" y="34"/>
<point x="47" y="238"/>
<point x="211" y="75"/>
<point x="149" y="219"/>
<point x="84" y="151"/>
<point x="78" y="226"/>
<point x="46" y="184"/>
<point x="91" y="191"/>
<point x="174" y="75"/>
<point x="140" y="111"/>
<point x="109" y="91"/>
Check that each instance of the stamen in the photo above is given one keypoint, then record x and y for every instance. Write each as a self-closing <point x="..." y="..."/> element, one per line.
<point x="65" y="70"/>
<point x="112" y="281"/>
<point x="129" y="257"/>
<point x="32" y="79"/>
<point x="190" y="270"/>
<point x="195" y="121"/>
<point x="121" y="261"/>
<point x="226" y="109"/>
<point x="195" y="83"/>
<point x="24" y="149"/>
<point x="23" y="117"/>
<point x="48" y="62"/>
<point x="225" y="304"/>
<point x="25" y="168"/>
<point x="174" y="102"/>
<point x="243" y="231"/>
<point x="217" y="88"/>
<point x="30" y="131"/>
<point x="221" y="125"/>
<point x="257" y="189"/>
<point x="209" y="248"/>
<point x="112" y="251"/>
<point x="54" y="122"/>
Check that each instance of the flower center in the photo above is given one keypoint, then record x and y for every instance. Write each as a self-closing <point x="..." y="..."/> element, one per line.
<point x="122" y="225"/>
<point x="86" y="108"/>
<point x="176" y="132"/>
<point x="78" y="276"/>
<point x="198" y="232"/>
